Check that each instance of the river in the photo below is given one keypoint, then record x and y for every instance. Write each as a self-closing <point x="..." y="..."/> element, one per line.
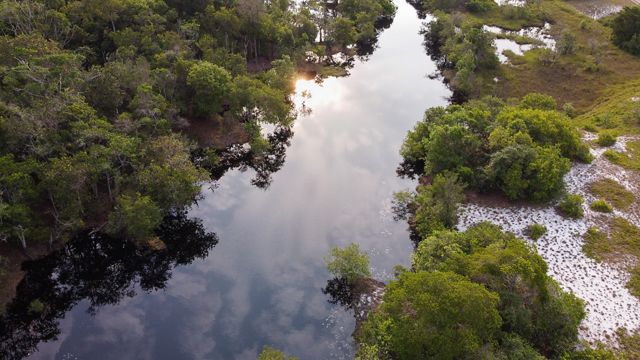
<point x="261" y="285"/>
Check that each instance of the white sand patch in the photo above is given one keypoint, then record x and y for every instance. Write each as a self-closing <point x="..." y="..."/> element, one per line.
<point x="609" y="304"/>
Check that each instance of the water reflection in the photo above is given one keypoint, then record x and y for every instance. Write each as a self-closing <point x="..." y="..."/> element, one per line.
<point x="97" y="269"/>
<point x="242" y="157"/>
<point x="261" y="285"/>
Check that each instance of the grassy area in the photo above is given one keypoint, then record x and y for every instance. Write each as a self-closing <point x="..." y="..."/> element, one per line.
<point x="634" y="282"/>
<point x="629" y="344"/>
<point x="629" y="160"/>
<point x="613" y="192"/>
<point x="617" y="110"/>
<point x="510" y="17"/>
<point x="623" y="239"/>
<point x="594" y="78"/>
<point x="581" y="78"/>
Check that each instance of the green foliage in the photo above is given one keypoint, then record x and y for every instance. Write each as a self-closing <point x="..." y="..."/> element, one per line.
<point x="626" y="29"/>
<point x="437" y="204"/>
<point x="538" y="101"/>
<point x="621" y="241"/>
<point x="211" y="84"/>
<point x="634" y="282"/>
<point x="91" y="91"/>
<point x="536" y="231"/>
<point x="36" y="307"/>
<point x="571" y="206"/>
<point x="629" y="159"/>
<point x="522" y="150"/>
<point x="269" y="353"/>
<point x="601" y="206"/>
<point x="440" y="314"/>
<point x="524" y="172"/>
<point x="136" y="216"/>
<point x="629" y="344"/>
<point x="567" y="43"/>
<point x="613" y="192"/>
<point x="600" y="352"/>
<point x="479" y="6"/>
<point x="348" y="263"/>
<point x="536" y="317"/>
<point x="569" y="110"/>
<point x="606" y="139"/>
<point x="470" y="52"/>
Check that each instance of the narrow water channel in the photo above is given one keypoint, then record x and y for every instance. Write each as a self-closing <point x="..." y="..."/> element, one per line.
<point x="261" y="285"/>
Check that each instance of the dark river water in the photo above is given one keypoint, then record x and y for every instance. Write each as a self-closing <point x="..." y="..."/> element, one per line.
<point x="261" y="284"/>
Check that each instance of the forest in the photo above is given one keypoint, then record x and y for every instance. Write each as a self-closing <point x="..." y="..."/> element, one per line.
<point x="100" y="100"/>
<point x="118" y="118"/>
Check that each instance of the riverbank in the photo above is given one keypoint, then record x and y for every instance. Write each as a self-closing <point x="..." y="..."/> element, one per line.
<point x="580" y="77"/>
<point x="555" y="50"/>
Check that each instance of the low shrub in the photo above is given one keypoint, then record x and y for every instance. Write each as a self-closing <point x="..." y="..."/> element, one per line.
<point x="571" y="206"/>
<point x="535" y="231"/>
<point x="601" y="206"/>
<point x="606" y="139"/>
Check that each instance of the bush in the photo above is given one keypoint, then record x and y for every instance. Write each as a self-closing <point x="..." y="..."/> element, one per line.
<point x="36" y="307"/>
<point x="269" y="353"/>
<point x="606" y="139"/>
<point x="530" y="146"/>
<point x="535" y="231"/>
<point x="626" y="30"/>
<point x="536" y="310"/>
<point x="538" y="101"/>
<point x="567" y="43"/>
<point x="437" y="204"/>
<point x="590" y="128"/>
<point x="606" y="121"/>
<point x="591" y="65"/>
<point x="547" y="56"/>
<point x="135" y="216"/>
<point x="601" y="206"/>
<point x="348" y="263"/>
<point x="443" y="312"/>
<point x="478" y="6"/>
<point x="569" y="110"/>
<point x="571" y="206"/>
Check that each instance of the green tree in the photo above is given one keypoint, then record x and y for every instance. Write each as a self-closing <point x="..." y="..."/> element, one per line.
<point x="348" y="262"/>
<point x="269" y="353"/>
<point x="436" y="315"/>
<point x="626" y="29"/>
<point x="567" y="43"/>
<point x="211" y="85"/>
<point x="136" y="216"/>
<point x="571" y="206"/>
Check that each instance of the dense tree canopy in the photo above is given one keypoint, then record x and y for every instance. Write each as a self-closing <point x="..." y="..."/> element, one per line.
<point x="626" y="29"/>
<point x="478" y="294"/>
<point x="98" y="98"/>
<point x="522" y="150"/>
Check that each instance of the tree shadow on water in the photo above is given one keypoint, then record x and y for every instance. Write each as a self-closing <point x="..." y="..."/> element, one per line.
<point x="99" y="269"/>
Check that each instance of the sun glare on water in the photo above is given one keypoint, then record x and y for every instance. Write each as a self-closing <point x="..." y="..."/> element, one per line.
<point x="310" y="93"/>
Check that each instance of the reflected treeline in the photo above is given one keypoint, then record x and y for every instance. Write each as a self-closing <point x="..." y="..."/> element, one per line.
<point x="99" y="269"/>
<point x="242" y="157"/>
<point x="270" y="161"/>
<point x="432" y="44"/>
<point x="362" y="50"/>
<point x="102" y="270"/>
